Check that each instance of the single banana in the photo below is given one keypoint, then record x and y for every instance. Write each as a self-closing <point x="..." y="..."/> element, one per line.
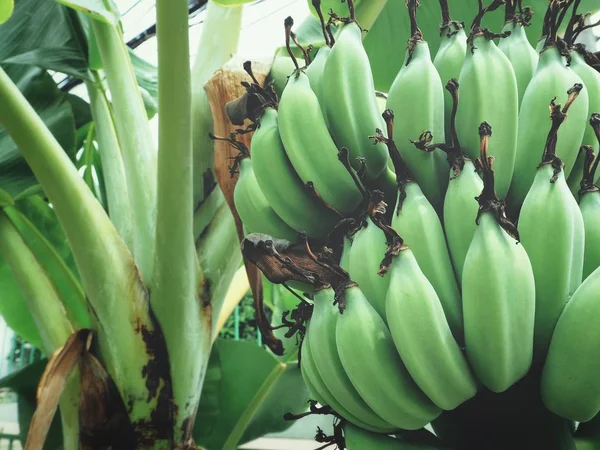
<point x="370" y="359"/>
<point x="368" y="246"/>
<point x="550" y="227"/>
<point x="310" y="148"/>
<point x="349" y="102"/>
<point x="417" y="222"/>
<point x="321" y="394"/>
<point x="516" y="46"/>
<point x="591" y="79"/>
<point x="285" y="192"/>
<point x="498" y="291"/>
<point x="460" y="211"/>
<point x="552" y="79"/>
<point x="314" y="72"/>
<point x="450" y="56"/>
<point x="418" y="83"/>
<point x="570" y="385"/>
<point x="322" y="341"/>
<point x="254" y="210"/>
<point x="489" y="93"/>
<point x="589" y="204"/>
<point x="421" y="333"/>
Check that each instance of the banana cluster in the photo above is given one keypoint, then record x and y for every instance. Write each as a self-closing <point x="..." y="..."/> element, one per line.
<point x="481" y="265"/>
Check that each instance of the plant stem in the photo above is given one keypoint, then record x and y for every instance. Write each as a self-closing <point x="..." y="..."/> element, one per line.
<point x="49" y="315"/>
<point x="218" y="42"/>
<point x="119" y="207"/>
<point x="109" y="276"/>
<point x="137" y="148"/>
<point x="173" y="297"/>
<point x="219" y="255"/>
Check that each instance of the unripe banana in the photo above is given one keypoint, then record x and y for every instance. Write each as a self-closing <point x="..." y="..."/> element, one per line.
<point x="322" y="341"/>
<point x="550" y="227"/>
<point x="349" y="103"/>
<point x="489" y="93"/>
<point x="450" y="56"/>
<point x="419" y="225"/>
<point x="591" y="80"/>
<point x="314" y="72"/>
<point x="552" y="79"/>
<point x="282" y="187"/>
<point x="345" y="257"/>
<point x="422" y="336"/>
<point x="570" y="385"/>
<point x="589" y="204"/>
<point x="372" y="363"/>
<point x="253" y="207"/>
<point x="320" y="392"/>
<point x="418" y="83"/>
<point x="368" y="246"/>
<point x="590" y="211"/>
<point x="516" y="46"/>
<point x="310" y="148"/>
<point x="498" y="292"/>
<point x="460" y="211"/>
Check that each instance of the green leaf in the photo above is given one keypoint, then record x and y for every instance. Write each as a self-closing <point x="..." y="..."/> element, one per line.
<point x="82" y="114"/>
<point x="64" y="60"/>
<point x="41" y="231"/>
<point x="5" y="199"/>
<point x="254" y="392"/>
<point x="103" y="10"/>
<point x="13" y="308"/>
<point x="45" y="28"/>
<point x="56" y="112"/>
<point x="24" y="382"/>
<point x="147" y="78"/>
<point x="38" y="226"/>
<point x="6" y="9"/>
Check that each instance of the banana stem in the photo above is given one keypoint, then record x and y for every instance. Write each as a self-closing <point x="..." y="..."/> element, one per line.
<point x="415" y="32"/>
<point x="352" y="13"/>
<point x="135" y="138"/>
<point x="485" y="163"/>
<point x="558" y="116"/>
<point x="317" y="5"/>
<point x="446" y="19"/>
<point x="289" y="23"/>
<point x="117" y="194"/>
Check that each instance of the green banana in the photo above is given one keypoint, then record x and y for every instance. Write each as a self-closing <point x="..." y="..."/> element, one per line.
<point x="319" y="390"/>
<point x="310" y="148"/>
<point x="418" y="83"/>
<point x="368" y="246"/>
<point x="516" y="46"/>
<point x="345" y="257"/>
<point x="254" y="209"/>
<point x="422" y="336"/>
<point x="589" y="204"/>
<point x="569" y="385"/>
<point x="322" y="341"/>
<point x="591" y="80"/>
<point x="489" y="93"/>
<point x="285" y="192"/>
<point x="550" y="227"/>
<point x="371" y="361"/>
<point x="498" y="291"/>
<point x="419" y="225"/>
<point x="450" y="56"/>
<point x="314" y="72"/>
<point x="349" y="102"/>
<point x="460" y="211"/>
<point x="552" y="79"/>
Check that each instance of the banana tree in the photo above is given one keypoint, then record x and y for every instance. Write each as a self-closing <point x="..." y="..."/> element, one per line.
<point x="116" y="256"/>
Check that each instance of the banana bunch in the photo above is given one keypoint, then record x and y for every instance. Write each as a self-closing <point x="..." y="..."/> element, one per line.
<point x="461" y="226"/>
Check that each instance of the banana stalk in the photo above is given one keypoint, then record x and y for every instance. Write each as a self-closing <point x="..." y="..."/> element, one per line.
<point x="108" y="272"/>
<point x="49" y="315"/>
<point x="173" y="296"/>
<point x="137" y="147"/>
